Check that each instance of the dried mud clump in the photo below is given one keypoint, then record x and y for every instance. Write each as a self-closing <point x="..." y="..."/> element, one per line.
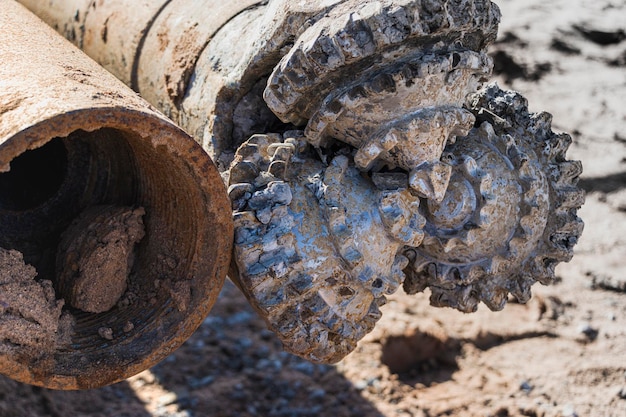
<point x="96" y="255"/>
<point x="30" y="314"/>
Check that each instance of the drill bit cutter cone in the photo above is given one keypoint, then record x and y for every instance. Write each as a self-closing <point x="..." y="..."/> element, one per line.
<point x="115" y="228"/>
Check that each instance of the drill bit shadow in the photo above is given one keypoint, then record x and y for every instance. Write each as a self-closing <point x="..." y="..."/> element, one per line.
<point x="422" y="357"/>
<point x="606" y="184"/>
<point x="17" y="400"/>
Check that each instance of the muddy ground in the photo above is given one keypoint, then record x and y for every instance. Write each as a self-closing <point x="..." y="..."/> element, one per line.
<point x="562" y="354"/>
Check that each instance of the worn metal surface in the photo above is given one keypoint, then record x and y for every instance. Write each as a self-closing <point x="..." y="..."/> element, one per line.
<point x="164" y="50"/>
<point x="316" y="246"/>
<point x="104" y="30"/>
<point x="389" y="79"/>
<point x="173" y="45"/>
<point x="72" y="136"/>
<point x="509" y="213"/>
<point x="378" y="89"/>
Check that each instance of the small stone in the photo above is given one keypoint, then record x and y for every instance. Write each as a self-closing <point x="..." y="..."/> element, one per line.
<point x="590" y="333"/>
<point x="317" y="394"/>
<point x="306" y="368"/>
<point x="245" y="342"/>
<point x="526" y="387"/>
<point x="167" y="399"/>
<point x="238" y="318"/>
<point x="568" y="411"/>
<point x="360" y="385"/>
<point x="202" y="382"/>
<point x="128" y="327"/>
<point x="621" y="394"/>
<point x="106" y="333"/>
<point x="373" y="382"/>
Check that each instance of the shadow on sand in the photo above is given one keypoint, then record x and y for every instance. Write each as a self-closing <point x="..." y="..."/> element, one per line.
<point x="232" y="366"/>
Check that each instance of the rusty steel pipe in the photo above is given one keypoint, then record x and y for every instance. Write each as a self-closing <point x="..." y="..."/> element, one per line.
<point x="95" y="183"/>
<point x="361" y="150"/>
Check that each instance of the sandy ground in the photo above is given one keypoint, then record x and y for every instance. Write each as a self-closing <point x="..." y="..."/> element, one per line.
<point x="562" y="354"/>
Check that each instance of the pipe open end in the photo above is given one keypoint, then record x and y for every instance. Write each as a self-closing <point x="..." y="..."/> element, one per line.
<point x="176" y="266"/>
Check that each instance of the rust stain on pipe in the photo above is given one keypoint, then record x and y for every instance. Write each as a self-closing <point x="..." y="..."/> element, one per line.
<point x="72" y="137"/>
<point x="174" y="43"/>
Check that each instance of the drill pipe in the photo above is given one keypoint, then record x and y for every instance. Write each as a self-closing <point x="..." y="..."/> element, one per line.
<point x="74" y="139"/>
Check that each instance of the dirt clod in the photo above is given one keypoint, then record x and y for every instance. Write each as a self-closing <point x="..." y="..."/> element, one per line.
<point x="106" y="333"/>
<point x="29" y="310"/>
<point x="96" y="255"/>
<point x="128" y="327"/>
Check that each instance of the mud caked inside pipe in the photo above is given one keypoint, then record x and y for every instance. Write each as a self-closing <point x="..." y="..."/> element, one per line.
<point x="40" y="194"/>
<point x="91" y="250"/>
<point x="96" y="255"/>
<point x="32" y="317"/>
<point x="136" y="278"/>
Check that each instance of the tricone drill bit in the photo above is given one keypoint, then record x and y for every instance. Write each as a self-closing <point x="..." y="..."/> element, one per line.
<point x="360" y="152"/>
